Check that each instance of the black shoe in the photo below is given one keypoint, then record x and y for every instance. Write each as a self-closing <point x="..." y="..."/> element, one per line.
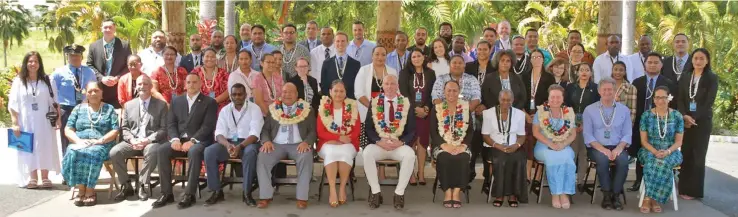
<point x="581" y="188"/>
<point x="399" y="201"/>
<point x="216" y="197"/>
<point x="636" y="187"/>
<point x="125" y="191"/>
<point x="375" y="200"/>
<point x="606" y="200"/>
<point x="485" y="188"/>
<point x="163" y="200"/>
<point x="249" y="200"/>
<point x="616" y="203"/>
<point x="187" y="201"/>
<point x="143" y="194"/>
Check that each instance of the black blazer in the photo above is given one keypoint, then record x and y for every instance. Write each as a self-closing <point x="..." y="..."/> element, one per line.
<point x="668" y="68"/>
<point x="492" y="86"/>
<point x="407" y="79"/>
<point x="96" y="61"/>
<point x="301" y="90"/>
<point x="519" y="63"/>
<point x="407" y="135"/>
<point x="188" y="62"/>
<point x="546" y="80"/>
<point x="437" y="138"/>
<point x="472" y="68"/>
<point x="329" y="73"/>
<point x="705" y="96"/>
<point x="199" y="123"/>
<point x="641" y="84"/>
<point x="572" y="95"/>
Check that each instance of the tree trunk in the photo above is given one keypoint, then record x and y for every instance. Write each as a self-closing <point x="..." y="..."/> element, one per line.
<point x="608" y="23"/>
<point x="285" y="12"/>
<point x="174" y="23"/>
<point x="629" y="35"/>
<point x="388" y="22"/>
<point x="230" y="17"/>
<point x="207" y="10"/>
<point x="5" y="53"/>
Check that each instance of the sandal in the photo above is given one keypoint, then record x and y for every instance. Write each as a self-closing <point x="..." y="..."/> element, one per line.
<point x="513" y="204"/>
<point x="456" y="203"/>
<point x="656" y="207"/>
<point x="646" y="206"/>
<point x="497" y="203"/>
<point x="46" y="184"/>
<point x="78" y="200"/>
<point x="91" y="200"/>
<point x="448" y="203"/>
<point x="32" y="184"/>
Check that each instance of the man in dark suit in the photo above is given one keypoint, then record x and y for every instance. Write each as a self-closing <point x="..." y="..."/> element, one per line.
<point x="681" y="62"/>
<point x="144" y="128"/>
<point x="194" y="59"/>
<point x="341" y="66"/>
<point x="190" y="126"/>
<point x="645" y="86"/>
<point x="311" y="31"/>
<point x="108" y="57"/>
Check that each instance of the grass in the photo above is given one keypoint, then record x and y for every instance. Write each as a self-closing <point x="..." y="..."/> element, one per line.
<point x="37" y="42"/>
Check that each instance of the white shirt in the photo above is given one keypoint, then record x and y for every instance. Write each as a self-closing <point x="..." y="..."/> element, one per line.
<point x="191" y="101"/>
<point x="241" y="124"/>
<point x="145" y="104"/>
<point x="237" y="77"/>
<point x="441" y="67"/>
<point x="283" y="133"/>
<point x="636" y="66"/>
<point x="338" y="117"/>
<point x="602" y="67"/>
<point x="317" y="56"/>
<point x="151" y="60"/>
<point x="490" y="128"/>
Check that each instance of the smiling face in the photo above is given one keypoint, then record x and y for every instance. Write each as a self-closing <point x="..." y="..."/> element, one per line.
<point x="653" y="65"/>
<point x="451" y="92"/>
<point x="555" y="98"/>
<point x="618" y="72"/>
<point x="483" y="51"/>
<point x="417" y="58"/>
<point x="245" y="32"/>
<point x="661" y="99"/>
<point x="439" y="49"/>
<point x="94" y="93"/>
<point x="210" y="59"/>
<point x="289" y="93"/>
<point x="531" y="38"/>
<point x="457" y="66"/>
<point x="144" y="86"/>
<point x="681" y="44"/>
<point x="338" y="92"/>
<point x="33" y="64"/>
<point x="134" y="63"/>
<point x="607" y="91"/>
<point x="108" y="29"/>
<point x="576" y="54"/>
<point x="358" y="30"/>
<point x="504" y="29"/>
<point x="421" y="35"/>
<point x="401" y="42"/>
<point x="302" y="67"/>
<point x="379" y="56"/>
<point x="170" y="56"/>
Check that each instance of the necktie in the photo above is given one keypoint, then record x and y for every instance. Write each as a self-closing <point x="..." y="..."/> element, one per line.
<point x="142" y="126"/>
<point x="391" y="111"/>
<point x="77" y="86"/>
<point x="340" y="66"/>
<point x="327" y="53"/>
<point x="680" y="62"/>
<point x="649" y="100"/>
<point x="290" y="135"/>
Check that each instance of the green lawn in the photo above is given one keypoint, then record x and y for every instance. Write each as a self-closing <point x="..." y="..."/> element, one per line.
<point x="37" y="42"/>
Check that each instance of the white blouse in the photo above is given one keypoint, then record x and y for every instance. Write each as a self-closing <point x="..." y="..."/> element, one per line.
<point x="441" y="67"/>
<point x="490" y="128"/>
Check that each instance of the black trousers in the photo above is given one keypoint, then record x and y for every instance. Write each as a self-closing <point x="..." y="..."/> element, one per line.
<point x="694" y="151"/>
<point x="65" y="112"/>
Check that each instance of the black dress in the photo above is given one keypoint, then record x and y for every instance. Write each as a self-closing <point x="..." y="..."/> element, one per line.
<point x="452" y="170"/>
<point x="541" y="96"/>
<point x="509" y="171"/>
<point x="696" y="138"/>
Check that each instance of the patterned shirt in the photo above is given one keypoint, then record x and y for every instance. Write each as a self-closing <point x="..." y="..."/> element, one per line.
<point x="218" y="85"/>
<point x="289" y="58"/>
<point x="470" y="88"/>
<point x="627" y="95"/>
<point x="170" y="84"/>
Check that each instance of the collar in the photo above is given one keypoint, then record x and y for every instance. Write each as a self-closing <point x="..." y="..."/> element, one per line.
<point x="247" y="42"/>
<point x="344" y="55"/>
<point x="353" y="42"/>
<point x="528" y="50"/>
<point x="234" y="109"/>
<point x="312" y="41"/>
<point x="72" y="68"/>
<point x="684" y="58"/>
<point x="193" y="98"/>
<point x="654" y="77"/>
<point x="151" y="50"/>
<point x="146" y="101"/>
<point x="387" y="99"/>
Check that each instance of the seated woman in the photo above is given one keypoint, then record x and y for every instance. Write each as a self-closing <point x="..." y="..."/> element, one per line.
<point x="662" y="130"/>
<point x="339" y="128"/>
<point x="554" y="127"/>
<point x="307" y="86"/>
<point x="504" y="132"/>
<point x="450" y="140"/>
<point x="92" y="129"/>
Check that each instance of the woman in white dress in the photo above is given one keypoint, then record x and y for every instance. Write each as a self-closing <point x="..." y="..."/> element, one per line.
<point x="30" y="99"/>
<point x="339" y="128"/>
<point x="439" y="58"/>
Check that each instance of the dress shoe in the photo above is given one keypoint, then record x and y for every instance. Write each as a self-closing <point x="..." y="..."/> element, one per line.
<point x="163" y="200"/>
<point x="616" y="203"/>
<point x="636" y="186"/>
<point x="375" y="200"/>
<point x="187" y="201"/>
<point x="302" y="204"/>
<point x="125" y="191"/>
<point x="263" y="204"/>
<point x="143" y="194"/>
<point x="607" y="200"/>
<point x="485" y="187"/>
<point x="249" y="200"/>
<point x="216" y="197"/>
<point x="399" y="201"/>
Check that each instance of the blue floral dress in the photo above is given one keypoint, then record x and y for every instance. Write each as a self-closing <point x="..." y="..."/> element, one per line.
<point x="560" y="167"/>
<point x="82" y="166"/>
<point x="657" y="173"/>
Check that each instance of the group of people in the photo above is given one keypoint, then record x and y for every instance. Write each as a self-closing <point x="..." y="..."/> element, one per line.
<point x="506" y="100"/>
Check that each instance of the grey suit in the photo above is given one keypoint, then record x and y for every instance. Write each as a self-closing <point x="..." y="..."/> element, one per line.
<point x="304" y="161"/>
<point x="154" y="125"/>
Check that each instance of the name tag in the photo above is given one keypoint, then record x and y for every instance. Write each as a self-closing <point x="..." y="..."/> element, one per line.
<point x="235" y="138"/>
<point x="693" y="106"/>
<point x="174" y="95"/>
<point x="418" y="96"/>
<point x="284" y="129"/>
<point x="579" y="118"/>
<point x="34" y="106"/>
<point x="78" y="96"/>
<point x="532" y="104"/>
<point x="212" y="94"/>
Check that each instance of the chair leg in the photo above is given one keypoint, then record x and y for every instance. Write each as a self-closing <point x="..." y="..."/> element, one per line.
<point x="352" y="176"/>
<point x="489" y="193"/>
<point x="586" y="178"/>
<point x="673" y="192"/>
<point x="320" y="186"/>
<point x="535" y="175"/>
<point x="137" y="174"/>
<point x="642" y="192"/>
<point x="435" y="187"/>
<point x="540" y="184"/>
<point x="594" y="188"/>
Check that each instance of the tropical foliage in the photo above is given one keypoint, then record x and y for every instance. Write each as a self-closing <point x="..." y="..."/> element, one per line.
<point x="14" y="23"/>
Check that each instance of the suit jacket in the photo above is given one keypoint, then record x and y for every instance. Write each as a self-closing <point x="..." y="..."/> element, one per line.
<point x="329" y="73"/>
<point x="188" y="62"/>
<point x="301" y="90"/>
<point x="408" y="134"/>
<point x="492" y="86"/>
<point x="306" y="128"/>
<point x="156" y="122"/>
<point x="96" y="61"/>
<point x="668" y="68"/>
<point x="198" y="123"/>
<point x="406" y="81"/>
<point x="641" y="84"/>
<point x="704" y="97"/>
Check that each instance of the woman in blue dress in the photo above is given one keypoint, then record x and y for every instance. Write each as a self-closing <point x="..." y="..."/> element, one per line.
<point x="92" y="129"/>
<point x="554" y="127"/>
<point x="662" y="130"/>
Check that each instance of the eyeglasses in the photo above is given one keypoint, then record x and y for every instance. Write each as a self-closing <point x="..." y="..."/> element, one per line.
<point x="661" y="97"/>
<point x="578" y="52"/>
<point x="536" y="57"/>
<point x="302" y="67"/>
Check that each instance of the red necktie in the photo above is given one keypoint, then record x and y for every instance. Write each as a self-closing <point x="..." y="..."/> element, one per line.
<point x="391" y="111"/>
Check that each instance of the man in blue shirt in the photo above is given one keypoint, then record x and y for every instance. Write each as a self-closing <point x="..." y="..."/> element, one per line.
<point x="258" y="46"/>
<point x="360" y="49"/>
<point x="70" y="81"/>
<point x="607" y="133"/>
<point x="399" y="56"/>
<point x="531" y="42"/>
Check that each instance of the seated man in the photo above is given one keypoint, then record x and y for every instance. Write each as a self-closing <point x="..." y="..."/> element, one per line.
<point x="607" y="132"/>
<point x="288" y="132"/>
<point x="389" y="131"/>
<point x="237" y="133"/>
<point x="190" y="125"/>
<point x="144" y="128"/>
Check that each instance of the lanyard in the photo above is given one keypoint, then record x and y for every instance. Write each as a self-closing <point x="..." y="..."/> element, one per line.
<point x="34" y="88"/>
<point x="502" y="127"/>
<point x="419" y="79"/>
<point x="244" y="108"/>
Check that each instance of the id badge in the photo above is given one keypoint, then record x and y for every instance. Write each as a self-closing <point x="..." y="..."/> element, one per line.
<point x="235" y="138"/>
<point x="693" y="106"/>
<point x="34" y="106"/>
<point x="212" y="95"/>
<point x="78" y="96"/>
<point x="532" y="105"/>
<point x="251" y="99"/>
<point x="579" y="118"/>
<point x="284" y="129"/>
<point x="174" y="95"/>
<point x="418" y="96"/>
<point x="607" y="134"/>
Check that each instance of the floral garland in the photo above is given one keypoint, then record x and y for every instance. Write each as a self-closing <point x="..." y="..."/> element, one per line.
<point x="277" y="111"/>
<point x="394" y="129"/>
<point x="325" y="111"/>
<point x="544" y="112"/>
<point x="453" y="134"/>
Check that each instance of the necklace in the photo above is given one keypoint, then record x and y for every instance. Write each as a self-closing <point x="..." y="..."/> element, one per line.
<point x="233" y="63"/>
<point x="34" y="88"/>
<point x="172" y="83"/>
<point x="522" y="66"/>
<point x="89" y="116"/>
<point x="270" y="87"/>
<point x="696" y="83"/>
<point x="581" y="96"/>
<point x="259" y="52"/>
<point x="482" y="73"/>
<point x="205" y="78"/>
<point x="340" y="69"/>
<point x="504" y="126"/>
<point x="377" y="78"/>
<point x="677" y="69"/>
<point x="662" y="132"/>
<point x="534" y="90"/>
<point x="607" y="121"/>
<point x="419" y="81"/>
<point x="288" y="56"/>
<point x="613" y="61"/>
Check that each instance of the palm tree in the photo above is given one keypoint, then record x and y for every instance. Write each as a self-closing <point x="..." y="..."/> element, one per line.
<point x="89" y="16"/>
<point x="14" y="24"/>
<point x="547" y="20"/>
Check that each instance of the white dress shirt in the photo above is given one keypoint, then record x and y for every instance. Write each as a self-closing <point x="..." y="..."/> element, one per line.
<point x="441" y="67"/>
<point x="283" y="133"/>
<point x="237" y="77"/>
<point x="191" y="101"/>
<point x="363" y="86"/>
<point x="317" y="56"/>
<point x="490" y="128"/>
<point x="636" y="66"/>
<point x="602" y="67"/>
<point x="151" y="60"/>
<point x="233" y="123"/>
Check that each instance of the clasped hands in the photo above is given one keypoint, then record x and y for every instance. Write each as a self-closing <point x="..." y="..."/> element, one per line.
<point x="453" y="149"/>
<point x="390" y="144"/>
<point x="140" y="144"/>
<point x="611" y="154"/>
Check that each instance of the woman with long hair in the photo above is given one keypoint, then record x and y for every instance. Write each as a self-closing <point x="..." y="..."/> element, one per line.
<point x="439" y="58"/>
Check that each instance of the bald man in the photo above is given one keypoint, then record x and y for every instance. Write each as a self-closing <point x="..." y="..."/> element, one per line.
<point x="144" y="128"/>
<point x="245" y="33"/>
<point x="602" y="67"/>
<point x="287" y="138"/>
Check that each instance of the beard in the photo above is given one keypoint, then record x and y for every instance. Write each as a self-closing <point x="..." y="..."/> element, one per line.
<point x="217" y="46"/>
<point x="196" y="48"/>
<point x="160" y="45"/>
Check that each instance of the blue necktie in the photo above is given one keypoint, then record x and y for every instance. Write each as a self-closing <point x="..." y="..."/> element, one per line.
<point x="340" y="66"/>
<point x="649" y="100"/>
